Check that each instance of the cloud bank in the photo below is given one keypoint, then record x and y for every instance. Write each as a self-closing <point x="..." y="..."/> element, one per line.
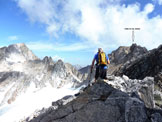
<point x="13" y="38"/>
<point x="98" y="23"/>
<point x="61" y="47"/>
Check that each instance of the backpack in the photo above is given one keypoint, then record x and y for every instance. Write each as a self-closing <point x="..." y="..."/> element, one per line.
<point x="102" y="58"/>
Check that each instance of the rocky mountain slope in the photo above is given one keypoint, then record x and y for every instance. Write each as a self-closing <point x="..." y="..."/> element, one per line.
<point x="85" y="69"/>
<point x="116" y="99"/>
<point x="123" y="55"/>
<point x="149" y="64"/>
<point x="103" y="103"/>
<point x="16" y="53"/>
<point x="137" y="63"/>
<point x="19" y="68"/>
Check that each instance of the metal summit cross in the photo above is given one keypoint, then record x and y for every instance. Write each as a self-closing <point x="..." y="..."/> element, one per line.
<point x="133" y="35"/>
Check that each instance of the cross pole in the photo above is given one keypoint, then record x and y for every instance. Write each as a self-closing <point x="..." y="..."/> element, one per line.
<point x="133" y="35"/>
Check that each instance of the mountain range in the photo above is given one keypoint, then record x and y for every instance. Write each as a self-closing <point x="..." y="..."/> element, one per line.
<point x="21" y="71"/>
<point x="134" y="86"/>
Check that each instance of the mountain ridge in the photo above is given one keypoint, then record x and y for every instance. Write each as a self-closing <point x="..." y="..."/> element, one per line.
<point x="17" y="76"/>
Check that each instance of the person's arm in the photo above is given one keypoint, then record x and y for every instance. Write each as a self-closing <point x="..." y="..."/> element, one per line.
<point x="92" y="64"/>
<point x="108" y="61"/>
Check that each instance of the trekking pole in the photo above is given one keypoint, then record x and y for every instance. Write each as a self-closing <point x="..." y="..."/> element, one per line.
<point x="90" y="77"/>
<point x="89" y="82"/>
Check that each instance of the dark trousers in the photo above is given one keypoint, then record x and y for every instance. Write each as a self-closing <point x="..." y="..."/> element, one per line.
<point x="100" y="72"/>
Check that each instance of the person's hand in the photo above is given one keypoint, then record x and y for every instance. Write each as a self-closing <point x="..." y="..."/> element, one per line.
<point x="91" y="69"/>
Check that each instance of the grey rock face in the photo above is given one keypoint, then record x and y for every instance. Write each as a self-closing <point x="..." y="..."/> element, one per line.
<point x="158" y="89"/>
<point x="135" y="111"/>
<point x="101" y="103"/>
<point x="48" y="60"/>
<point x="15" y="82"/>
<point x="85" y="69"/>
<point x="143" y="88"/>
<point x="148" y="65"/>
<point x="66" y="72"/>
<point x="124" y="54"/>
<point x="156" y="117"/>
<point x="118" y="56"/>
<point x="158" y="81"/>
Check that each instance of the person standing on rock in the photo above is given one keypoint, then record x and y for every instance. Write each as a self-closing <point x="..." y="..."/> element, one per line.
<point x="102" y="60"/>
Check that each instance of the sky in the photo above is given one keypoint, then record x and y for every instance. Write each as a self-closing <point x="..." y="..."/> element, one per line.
<point x="73" y="30"/>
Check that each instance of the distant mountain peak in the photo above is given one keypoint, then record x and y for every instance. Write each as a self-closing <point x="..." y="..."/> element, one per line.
<point x="16" y="53"/>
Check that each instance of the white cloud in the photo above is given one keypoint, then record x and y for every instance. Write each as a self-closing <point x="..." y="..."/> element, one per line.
<point x="43" y="46"/>
<point x="13" y="38"/>
<point x="158" y="1"/>
<point x="99" y="22"/>
<point x="40" y="46"/>
<point x="56" y="58"/>
<point x="149" y="8"/>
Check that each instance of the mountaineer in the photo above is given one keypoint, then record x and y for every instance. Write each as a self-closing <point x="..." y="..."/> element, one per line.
<point x="102" y="60"/>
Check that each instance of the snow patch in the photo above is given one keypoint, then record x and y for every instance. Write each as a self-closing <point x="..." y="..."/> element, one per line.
<point x="32" y="100"/>
<point x="15" y="58"/>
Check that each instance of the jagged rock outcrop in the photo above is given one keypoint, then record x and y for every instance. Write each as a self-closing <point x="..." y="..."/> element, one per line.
<point x="149" y="64"/>
<point x="143" y="88"/>
<point x="48" y="60"/>
<point x="99" y="103"/>
<point x="12" y="84"/>
<point x="76" y="72"/>
<point x="158" y="89"/>
<point x="124" y="54"/>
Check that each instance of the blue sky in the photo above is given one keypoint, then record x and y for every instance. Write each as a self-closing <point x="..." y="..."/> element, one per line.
<point x="73" y="29"/>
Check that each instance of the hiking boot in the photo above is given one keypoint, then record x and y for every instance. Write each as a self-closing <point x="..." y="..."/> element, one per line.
<point x="105" y="78"/>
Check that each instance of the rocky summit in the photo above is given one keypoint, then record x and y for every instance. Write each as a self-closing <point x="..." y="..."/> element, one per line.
<point x="99" y="103"/>
<point x="149" y="64"/>
<point x="124" y="54"/>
